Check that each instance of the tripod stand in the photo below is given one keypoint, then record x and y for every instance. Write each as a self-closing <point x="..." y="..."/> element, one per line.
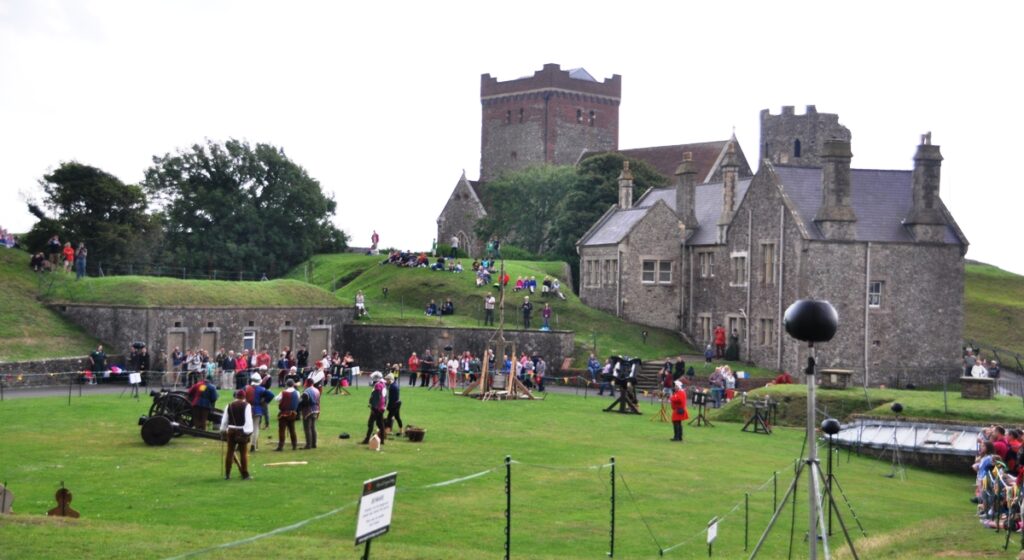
<point x="897" y="462"/>
<point x="759" y="420"/>
<point x="701" y="400"/>
<point x="815" y="478"/>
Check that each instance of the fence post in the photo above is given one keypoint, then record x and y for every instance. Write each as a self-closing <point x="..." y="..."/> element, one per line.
<point x="611" y="532"/>
<point x="508" y="506"/>
<point x="775" y="490"/>
<point x="945" y="393"/>
<point x="746" y="520"/>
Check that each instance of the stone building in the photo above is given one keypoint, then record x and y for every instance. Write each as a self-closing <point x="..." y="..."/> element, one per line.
<point x="878" y="244"/>
<point x="553" y="117"/>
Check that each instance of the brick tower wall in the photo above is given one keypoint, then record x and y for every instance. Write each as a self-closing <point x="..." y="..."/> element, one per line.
<point x="546" y="118"/>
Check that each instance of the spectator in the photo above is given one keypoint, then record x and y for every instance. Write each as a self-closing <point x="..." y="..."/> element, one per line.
<point x="556" y="288"/>
<point x="69" y="256"/>
<point x="414" y="369"/>
<point x="593" y="367"/>
<point x="448" y="307"/>
<point x="80" y="258"/>
<point x="719" y="338"/>
<point x="541" y="369"/>
<point x="432" y="309"/>
<point x="53" y="251"/>
<point x="527" y="309"/>
<point x="489" y="309"/>
<point x="38" y="263"/>
<point x="546" y="315"/>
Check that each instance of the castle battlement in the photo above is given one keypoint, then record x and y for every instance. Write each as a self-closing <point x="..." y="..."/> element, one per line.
<point x="552" y="77"/>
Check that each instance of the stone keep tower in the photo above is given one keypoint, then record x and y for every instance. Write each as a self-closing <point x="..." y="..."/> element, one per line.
<point x="791" y="139"/>
<point x="550" y="117"/>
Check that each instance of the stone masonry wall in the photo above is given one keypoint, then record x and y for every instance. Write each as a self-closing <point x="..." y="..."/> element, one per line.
<point x="459" y="217"/>
<point x="600" y="290"/>
<point x="655" y="238"/>
<point x="41" y="373"/>
<point x="161" y="327"/>
<point x="375" y="346"/>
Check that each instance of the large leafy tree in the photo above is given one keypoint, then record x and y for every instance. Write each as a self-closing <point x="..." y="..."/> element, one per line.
<point x="523" y="206"/>
<point x="241" y="207"/>
<point x="89" y="205"/>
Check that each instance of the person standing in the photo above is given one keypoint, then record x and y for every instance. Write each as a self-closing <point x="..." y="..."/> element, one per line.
<point x="69" y="256"/>
<point x="203" y="396"/>
<point x="97" y="363"/>
<point x="259" y="397"/>
<point x="427" y="367"/>
<point x="719" y="336"/>
<point x="53" y="251"/>
<point x="394" y="403"/>
<point x="374" y="240"/>
<point x="455" y="246"/>
<point x="489" y="309"/>
<point x="378" y="404"/>
<point x="593" y="368"/>
<point x="546" y="315"/>
<point x="310" y="413"/>
<point x="527" y="308"/>
<point x="302" y="359"/>
<point x="453" y="371"/>
<point x="236" y="427"/>
<point x="679" y="411"/>
<point x="80" y="257"/>
<point x="540" y="369"/>
<point x="414" y="369"/>
<point x="287" y="405"/>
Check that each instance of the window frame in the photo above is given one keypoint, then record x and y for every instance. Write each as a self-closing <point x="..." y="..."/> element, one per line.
<point x="736" y="258"/>
<point x="875" y="296"/>
<point x="644" y="271"/>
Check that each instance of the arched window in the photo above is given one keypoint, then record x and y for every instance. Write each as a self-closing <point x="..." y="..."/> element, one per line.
<point x="796" y="148"/>
<point x="593" y="117"/>
<point x="579" y="115"/>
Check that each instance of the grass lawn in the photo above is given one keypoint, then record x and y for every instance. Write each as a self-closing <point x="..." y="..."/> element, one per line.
<point x="409" y="290"/>
<point x="142" y="502"/>
<point x="28" y="330"/>
<point x="993" y="308"/>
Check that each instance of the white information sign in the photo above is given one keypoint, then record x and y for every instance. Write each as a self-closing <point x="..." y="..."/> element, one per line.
<point x="355" y="371"/>
<point x="712" y="531"/>
<point x="134" y="378"/>
<point x="375" y="507"/>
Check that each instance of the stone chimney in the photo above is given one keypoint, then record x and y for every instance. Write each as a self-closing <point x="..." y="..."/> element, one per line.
<point x="686" y="192"/>
<point x="730" y="168"/>
<point x="926" y="220"/>
<point x="625" y="187"/>
<point x="836" y="217"/>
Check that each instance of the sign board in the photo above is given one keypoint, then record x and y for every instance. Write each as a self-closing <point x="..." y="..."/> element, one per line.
<point x="355" y="371"/>
<point x="375" y="507"/>
<point x="712" y="531"/>
<point x="134" y="378"/>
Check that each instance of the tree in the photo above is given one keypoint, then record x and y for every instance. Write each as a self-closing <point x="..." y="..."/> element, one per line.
<point x="92" y="206"/>
<point x="523" y="205"/>
<point x="238" y="207"/>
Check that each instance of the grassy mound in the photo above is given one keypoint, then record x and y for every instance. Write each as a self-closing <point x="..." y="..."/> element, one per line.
<point x="28" y="330"/>
<point x="409" y="291"/>
<point x="993" y="308"/>
<point x="917" y="405"/>
<point x="150" y="291"/>
<point x="144" y="502"/>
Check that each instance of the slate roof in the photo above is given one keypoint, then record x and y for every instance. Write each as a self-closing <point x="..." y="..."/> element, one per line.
<point x="616" y="224"/>
<point x="665" y="159"/>
<point x="881" y="200"/>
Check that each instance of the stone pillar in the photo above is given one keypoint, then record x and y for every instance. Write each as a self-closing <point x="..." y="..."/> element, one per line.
<point x="625" y="187"/>
<point x="836" y="217"/>
<point x="686" y="192"/>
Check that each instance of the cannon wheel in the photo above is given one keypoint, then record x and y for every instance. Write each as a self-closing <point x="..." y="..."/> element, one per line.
<point x="157" y="430"/>
<point x="174" y="406"/>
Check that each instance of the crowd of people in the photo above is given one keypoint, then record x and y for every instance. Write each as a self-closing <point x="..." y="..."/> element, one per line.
<point x="999" y="474"/>
<point x="976" y="366"/>
<point x="59" y="256"/>
<point x="7" y="239"/>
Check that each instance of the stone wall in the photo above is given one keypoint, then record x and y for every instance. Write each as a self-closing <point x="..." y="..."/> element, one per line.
<point x="598" y="288"/>
<point x="654" y="238"/>
<point x="161" y="328"/>
<point x="374" y="346"/>
<point x="42" y="373"/>
<point x="459" y="217"/>
<point x="780" y="132"/>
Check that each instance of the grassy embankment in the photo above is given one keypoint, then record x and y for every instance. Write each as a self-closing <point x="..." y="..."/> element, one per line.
<point x="141" y="502"/>
<point x="993" y="308"/>
<point x="409" y="290"/>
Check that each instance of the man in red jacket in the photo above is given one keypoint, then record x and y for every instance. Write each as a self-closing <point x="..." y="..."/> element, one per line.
<point x="679" y="412"/>
<point x="719" y="342"/>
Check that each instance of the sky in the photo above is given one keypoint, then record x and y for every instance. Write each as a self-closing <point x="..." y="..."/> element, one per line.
<point x="379" y="101"/>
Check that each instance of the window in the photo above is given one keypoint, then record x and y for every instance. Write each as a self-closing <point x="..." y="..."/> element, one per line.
<point x="609" y="272"/>
<point x="739" y="269"/>
<point x="766" y="332"/>
<point x="706" y="264"/>
<point x="664" y="272"/>
<point x="249" y="340"/>
<point x="515" y="156"/>
<point x="796" y="148"/>
<point x="704" y="328"/>
<point x="737" y="325"/>
<point x="593" y="117"/>
<point x="579" y="115"/>
<point x="521" y="113"/>
<point x="659" y="272"/>
<point x="768" y="261"/>
<point x="648" y="272"/>
<point x="875" y="294"/>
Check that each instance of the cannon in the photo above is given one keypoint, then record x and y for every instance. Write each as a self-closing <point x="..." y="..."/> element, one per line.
<point x="170" y="416"/>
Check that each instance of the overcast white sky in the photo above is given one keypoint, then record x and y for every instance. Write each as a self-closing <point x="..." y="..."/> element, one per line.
<point x="379" y="101"/>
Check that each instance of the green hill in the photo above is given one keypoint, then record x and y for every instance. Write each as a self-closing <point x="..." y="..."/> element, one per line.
<point x="28" y="330"/>
<point x="410" y="289"/>
<point x="994" y="309"/>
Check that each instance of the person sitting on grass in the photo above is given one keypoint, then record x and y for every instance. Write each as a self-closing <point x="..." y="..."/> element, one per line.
<point x="448" y="308"/>
<point x="432" y="309"/>
<point x="519" y="284"/>
<point x="439" y="264"/>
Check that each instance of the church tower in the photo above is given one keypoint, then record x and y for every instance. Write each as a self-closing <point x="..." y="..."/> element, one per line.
<point x="550" y="117"/>
<point x="791" y="139"/>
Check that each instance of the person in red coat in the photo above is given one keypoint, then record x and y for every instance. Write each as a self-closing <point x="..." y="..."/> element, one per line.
<point x="719" y="335"/>
<point x="679" y="412"/>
